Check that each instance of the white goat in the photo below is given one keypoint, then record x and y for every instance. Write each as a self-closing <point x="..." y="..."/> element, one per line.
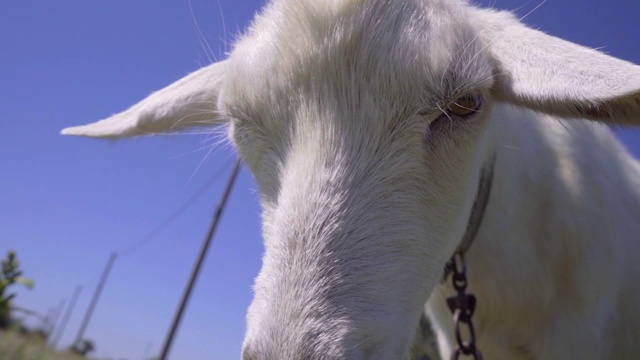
<point x="366" y="124"/>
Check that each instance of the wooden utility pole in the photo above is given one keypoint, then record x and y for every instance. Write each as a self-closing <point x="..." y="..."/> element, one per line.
<point x="198" y="264"/>
<point x="66" y="316"/>
<point x="52" y="323"/>
<point x="96" y="297"/>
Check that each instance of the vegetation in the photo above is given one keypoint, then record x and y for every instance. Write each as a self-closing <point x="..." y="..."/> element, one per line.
<point x="84" y="347"/>
<point x="17" y="346"/>
<point x="10" y="276"/>
<point x="16" y="342"/>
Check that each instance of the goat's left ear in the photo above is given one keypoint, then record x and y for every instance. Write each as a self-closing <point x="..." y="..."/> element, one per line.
<point x="554" y="76"/>
<point x="189" y="102"/>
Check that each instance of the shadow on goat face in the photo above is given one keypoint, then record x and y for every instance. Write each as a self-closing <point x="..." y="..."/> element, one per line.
<point x="364" y="131"/>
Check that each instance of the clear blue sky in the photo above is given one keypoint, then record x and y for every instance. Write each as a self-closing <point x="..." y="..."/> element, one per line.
<point x="67" y="203"/>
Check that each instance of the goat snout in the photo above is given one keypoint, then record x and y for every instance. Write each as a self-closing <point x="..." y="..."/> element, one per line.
<point x="356" y="343"/>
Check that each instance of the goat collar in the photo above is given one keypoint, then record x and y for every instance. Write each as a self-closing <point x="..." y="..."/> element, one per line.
<point x="479" y="206"/>
<point x="477" y="211"/>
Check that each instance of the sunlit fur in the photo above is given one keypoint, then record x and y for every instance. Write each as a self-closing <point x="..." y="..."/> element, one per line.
<point x="339" y="108"/>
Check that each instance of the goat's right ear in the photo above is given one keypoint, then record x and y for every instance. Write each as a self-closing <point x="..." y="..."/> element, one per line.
<point x="189" y="102"/>
<point x="551" y="75"/>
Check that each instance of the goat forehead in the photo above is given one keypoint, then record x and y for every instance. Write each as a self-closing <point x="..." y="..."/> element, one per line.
<point x="360" y="44"/>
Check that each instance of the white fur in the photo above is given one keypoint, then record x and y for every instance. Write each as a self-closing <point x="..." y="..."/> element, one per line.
<point x="333" y="105"/>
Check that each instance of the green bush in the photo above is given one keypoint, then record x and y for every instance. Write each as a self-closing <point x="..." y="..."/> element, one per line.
<point x="10" y="276"/>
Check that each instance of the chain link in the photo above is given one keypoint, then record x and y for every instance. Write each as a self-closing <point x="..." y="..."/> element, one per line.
<point x="462" y="306"/>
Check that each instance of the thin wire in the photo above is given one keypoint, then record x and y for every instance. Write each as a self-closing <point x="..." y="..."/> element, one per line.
<point x="176" y="214"/>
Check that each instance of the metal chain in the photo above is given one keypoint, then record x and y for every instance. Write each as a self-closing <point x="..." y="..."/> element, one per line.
<point x="462" y="306"/>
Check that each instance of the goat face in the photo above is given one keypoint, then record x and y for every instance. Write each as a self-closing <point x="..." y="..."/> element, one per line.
<point x="365" y="124"/>
<point x="364" y="131"/>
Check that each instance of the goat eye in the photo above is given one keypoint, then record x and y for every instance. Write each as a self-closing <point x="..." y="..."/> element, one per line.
<point x="465" y="106"/>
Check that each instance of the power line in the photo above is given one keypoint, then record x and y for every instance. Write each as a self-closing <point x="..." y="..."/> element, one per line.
<point x="157" y="230"/>
<point x="198" y="264"/>
<point x="178" y="212"/>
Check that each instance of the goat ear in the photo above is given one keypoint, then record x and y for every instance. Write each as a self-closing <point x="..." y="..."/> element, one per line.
<point x="189" y="102"/>
<point x="558" y="77"/>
